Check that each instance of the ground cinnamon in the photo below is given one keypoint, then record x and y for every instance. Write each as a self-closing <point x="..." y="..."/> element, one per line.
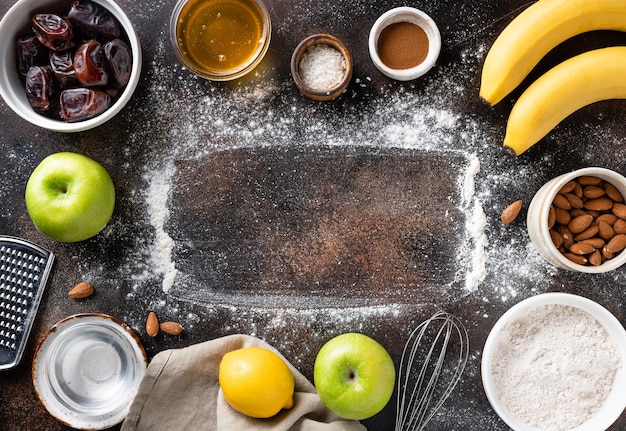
<point x="402" y="45"/>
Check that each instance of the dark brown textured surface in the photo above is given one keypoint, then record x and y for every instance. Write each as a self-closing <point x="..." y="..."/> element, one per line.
<point x="294" y="220"/>
<point x="384" y="231"/>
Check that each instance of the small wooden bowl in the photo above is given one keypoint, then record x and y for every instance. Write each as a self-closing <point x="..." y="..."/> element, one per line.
<point x="312" y="93"/>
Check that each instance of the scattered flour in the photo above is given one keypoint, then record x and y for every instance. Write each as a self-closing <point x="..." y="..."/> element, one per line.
<point x="262" y="114"/>
<point x="475" y="227"/>
<point x="157" y="195"/>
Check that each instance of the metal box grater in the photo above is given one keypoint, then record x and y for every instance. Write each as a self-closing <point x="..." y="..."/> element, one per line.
<point x="24" y="270"/>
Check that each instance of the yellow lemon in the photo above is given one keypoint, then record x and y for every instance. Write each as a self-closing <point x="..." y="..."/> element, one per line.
<point x="256" y="382"/>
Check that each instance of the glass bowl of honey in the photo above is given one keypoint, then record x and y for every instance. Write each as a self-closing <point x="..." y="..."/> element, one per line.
<point x="220" y="40"/>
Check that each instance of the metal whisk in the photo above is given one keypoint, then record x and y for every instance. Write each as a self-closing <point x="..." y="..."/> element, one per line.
<point x="433" y="360"/>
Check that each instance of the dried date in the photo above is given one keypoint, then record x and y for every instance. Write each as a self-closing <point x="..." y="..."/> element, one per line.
<point x="62" y="64"/>
<point x="90" y="64"/>
<point x="30" y="52"/>
<point x="82" y="51"/>
<point x="78" y="104"/>
<point x="94" y="21"/>
<point x="53" y="31"/>
<point x="119" y="61"/>
<point x="41" y="88"/>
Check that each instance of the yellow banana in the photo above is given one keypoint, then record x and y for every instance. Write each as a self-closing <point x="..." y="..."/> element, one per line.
<point x="579" y="81"/>
<point x="538" y="29"/>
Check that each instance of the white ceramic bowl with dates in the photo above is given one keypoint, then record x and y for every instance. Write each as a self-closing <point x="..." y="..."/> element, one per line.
<point x="121" y="80"/>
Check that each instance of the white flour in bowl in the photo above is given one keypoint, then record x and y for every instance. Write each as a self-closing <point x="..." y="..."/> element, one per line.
<point x="554" y="367"/>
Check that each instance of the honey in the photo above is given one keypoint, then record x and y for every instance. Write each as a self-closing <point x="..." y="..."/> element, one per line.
<point x="219" y="36"/>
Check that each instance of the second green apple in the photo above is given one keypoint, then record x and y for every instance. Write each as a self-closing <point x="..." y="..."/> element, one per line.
<point x="354" y="376"/>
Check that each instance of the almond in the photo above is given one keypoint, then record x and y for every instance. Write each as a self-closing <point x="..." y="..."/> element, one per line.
<point x="613" y="193"/>
<point x="619" y="226"/>
<point x="599" y="204"/>
<point x="582" y="248"/>
<point x="561" y="201"/>
<point x="171" y="328"/>
<point x="595" y="242"/>
<point x="561" y="216"/>
<point x="568" y="239"/>
<point x="590" y="232"/>
<point x="594" y="213"/>
<point x="605" y="231"/>
<point x="606" y="218"/>
<point x="616" y="244"/>
<point x="619" y="210"/>
<point x="577" y="212"/>
<point x="556" y="238"/>
<point x="592" y="192"/>
<point x="607" y="254"/>
<point x="595" y="258"/>
<point x="152" y="324"/>
<point x="580" y="223"/>
<point x="578" y="190"/>
<point x="586" y="180"/>
<point x="511" y="212"/>
<point x="581" y="260"/>
<point x="81" y="290"/>
<point x="568" y="187"/>
<point x="574" y="200"/>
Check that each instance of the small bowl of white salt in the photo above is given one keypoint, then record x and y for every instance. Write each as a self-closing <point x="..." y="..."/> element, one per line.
<point x="556" y="362"/>
<point x="321" y="67"/>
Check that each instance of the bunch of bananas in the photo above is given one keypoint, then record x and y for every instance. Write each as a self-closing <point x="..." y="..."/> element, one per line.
<point x="590" y="77"/>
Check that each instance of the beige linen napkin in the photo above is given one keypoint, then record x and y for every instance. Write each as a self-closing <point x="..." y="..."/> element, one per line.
<point x="180" y="391"/>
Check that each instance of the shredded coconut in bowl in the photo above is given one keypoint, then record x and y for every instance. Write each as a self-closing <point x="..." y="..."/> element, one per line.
<point x="322" y="67"/>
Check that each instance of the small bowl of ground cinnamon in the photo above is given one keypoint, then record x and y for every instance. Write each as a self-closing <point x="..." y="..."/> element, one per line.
<point x="321" y="67"/>
<point x="404" y="43"/>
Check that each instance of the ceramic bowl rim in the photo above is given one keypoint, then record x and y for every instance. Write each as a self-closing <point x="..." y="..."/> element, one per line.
<point x="67" y="327"/>
<point x="13" y="23"/>
<point x="418" y="17"/>
<point x="315" y="39"/>
<point x="616" y="401"/>
<point x="608" y="175"/>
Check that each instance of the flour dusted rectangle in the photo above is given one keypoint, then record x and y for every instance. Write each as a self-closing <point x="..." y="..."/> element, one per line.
<point x="320" y="225"/>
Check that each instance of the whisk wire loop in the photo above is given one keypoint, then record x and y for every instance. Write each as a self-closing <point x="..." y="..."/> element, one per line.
<point x="421" y="396"/>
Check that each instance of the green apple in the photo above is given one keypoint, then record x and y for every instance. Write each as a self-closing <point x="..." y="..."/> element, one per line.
<point x="70" y="197"/>
<point x="354" y="376"/>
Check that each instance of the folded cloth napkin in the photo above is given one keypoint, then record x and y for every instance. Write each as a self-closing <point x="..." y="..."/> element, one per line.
<point x="180" y="391"/>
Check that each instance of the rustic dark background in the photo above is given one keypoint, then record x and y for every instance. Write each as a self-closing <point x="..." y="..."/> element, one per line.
<point x="295" y="220"/>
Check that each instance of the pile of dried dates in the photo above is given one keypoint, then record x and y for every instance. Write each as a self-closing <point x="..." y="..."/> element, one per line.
<point x="74" y="66"/>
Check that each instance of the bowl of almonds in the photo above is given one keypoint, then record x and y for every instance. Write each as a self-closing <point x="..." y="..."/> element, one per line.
<point x="577" y="221"/>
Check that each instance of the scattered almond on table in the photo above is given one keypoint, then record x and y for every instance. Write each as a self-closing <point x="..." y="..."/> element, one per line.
<point x="152" y="324"/>
<point x="511" y="212"/>
<point x="171" y="328"/>
<point x="81" y="290"/>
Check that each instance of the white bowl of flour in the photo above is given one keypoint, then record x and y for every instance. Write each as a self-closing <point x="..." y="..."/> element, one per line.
<point x="556" y="362"/>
